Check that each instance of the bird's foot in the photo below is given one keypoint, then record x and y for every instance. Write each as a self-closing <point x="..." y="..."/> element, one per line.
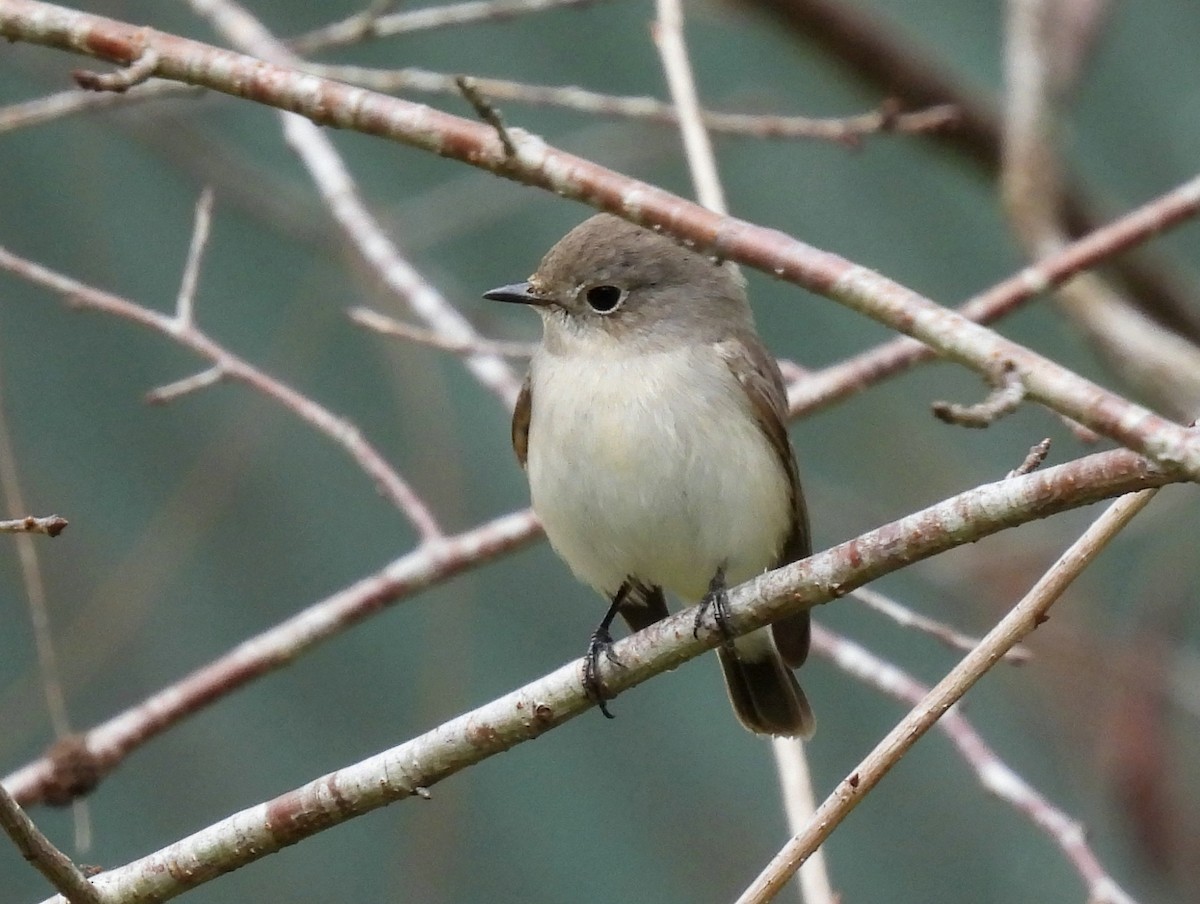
<point x="716" y="600"/>
<point x="599" y="645"/>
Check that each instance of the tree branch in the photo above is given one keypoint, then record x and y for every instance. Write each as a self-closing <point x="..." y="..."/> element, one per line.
<point x="1017" y="624"/>
<point x="530" y="711"/>
<point x="536" y="163"/>
<point x="390" y="484"/>
<point x="41" y="852"/>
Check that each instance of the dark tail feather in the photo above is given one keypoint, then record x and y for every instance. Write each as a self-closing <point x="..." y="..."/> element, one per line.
<point x="765" y="695"/>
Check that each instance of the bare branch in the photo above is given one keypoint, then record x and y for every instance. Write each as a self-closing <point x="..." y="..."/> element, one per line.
<point x="791" y="761"/>
<point x="485" y="111"/>
<point x="871" y="49"/>
<point x="45" y="857"/>
<point x="667" y="30"/>
<point x="387" y="480"/>
<point x="1033" y="461"/>
<point x="799" y="803"/>
<point x="191" y="270"/>
<point x="444" y="16"/>
<point x="1159" y="363"/>
<point x="389" y="326"/>
<point x="995" y="775"/>
<point x="49" y="672"/>
<point x="556" y="698"/>
<point x="846" y="130"/>
<point x="50" y="525"/>
<point x="1006" y="396"/>
<point x="180" y="388"/>
<point x="537" y="164"/>
<point x="340" y="193"/>
<point x="78" y="766"/>
<point x="823" y="388"/>
<point x="350" y="30"/>
<point x="906" y="618"/>
<point x="1018" y="623"/>
<point x="139" y="69"/>
<point x="69" y="103"/>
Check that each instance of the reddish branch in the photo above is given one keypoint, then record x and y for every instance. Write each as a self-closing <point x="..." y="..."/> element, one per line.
<point x="996" y="776"/>
<point x="528" y="712"/>
<point x="50" y="525"/>
<point x="874" y="51"/>
<point x="227" y="365"/>
<point x="538" y="164"/>
<point x="820" y="389"/>
<point x="72" y="768"/>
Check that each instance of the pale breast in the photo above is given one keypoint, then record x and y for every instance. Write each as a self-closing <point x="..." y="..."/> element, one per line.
<point x="652" y="467"/>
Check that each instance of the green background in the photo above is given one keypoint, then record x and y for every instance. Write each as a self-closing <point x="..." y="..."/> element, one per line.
<point x="198" y="524"/>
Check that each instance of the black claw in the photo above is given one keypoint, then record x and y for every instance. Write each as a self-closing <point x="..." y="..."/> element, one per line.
<point x="717" y="599"/>
<point x="600" y="643"/>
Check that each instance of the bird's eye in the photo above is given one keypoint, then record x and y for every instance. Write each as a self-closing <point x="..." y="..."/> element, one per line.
<point x="604" y="299"/>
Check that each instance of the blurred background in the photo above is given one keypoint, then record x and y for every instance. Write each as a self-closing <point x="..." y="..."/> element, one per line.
<point x="198" y="524"/>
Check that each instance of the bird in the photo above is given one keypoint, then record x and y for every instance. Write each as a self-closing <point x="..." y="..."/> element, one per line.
<point x="652" y="428"/>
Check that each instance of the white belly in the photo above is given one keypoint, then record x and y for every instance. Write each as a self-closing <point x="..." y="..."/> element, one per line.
<point x="637" y="471"/>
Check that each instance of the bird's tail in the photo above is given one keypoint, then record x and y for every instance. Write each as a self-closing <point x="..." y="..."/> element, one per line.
<point x="765" y="695"/>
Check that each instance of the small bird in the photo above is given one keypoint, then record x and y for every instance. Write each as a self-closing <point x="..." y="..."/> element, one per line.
<point x="652" y="429"/>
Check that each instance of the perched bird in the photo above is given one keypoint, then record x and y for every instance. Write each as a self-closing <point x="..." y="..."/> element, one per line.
<point x="652" y="429"/>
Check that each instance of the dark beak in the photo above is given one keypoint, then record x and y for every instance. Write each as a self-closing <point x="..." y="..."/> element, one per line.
<point x="517" y="293"/>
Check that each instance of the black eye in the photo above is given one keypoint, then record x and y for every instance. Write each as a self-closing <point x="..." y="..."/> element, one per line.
<point x="604" y="299"/>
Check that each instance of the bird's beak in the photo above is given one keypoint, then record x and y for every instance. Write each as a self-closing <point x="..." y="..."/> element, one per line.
<point x="517" y="293"/>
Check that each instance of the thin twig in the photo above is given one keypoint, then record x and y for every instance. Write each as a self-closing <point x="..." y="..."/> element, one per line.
<point x="197" y="381"/>
<point x="49" y="671"/>
<point x="995" y="775"/>
<point x="340" y="193"/>
<point x="845" y="130"/>
<point x="103" y="747"/>
<point x="45" y="857"/>
<point x="62" y="104"/>
<point x="667" y="30"/>
<point x="389" y="326"/>
<point x="184" y="303"/>
<point x="1006" y="396"/>
<point x="121" y="80"/>
<point x="823" y="388"/>
<point x="342" y="432"/>
<point x="50" y="525"/>
<point x="350" y="30"/>
<point x="1033" y="460"/>
<point x="444" y="16"/>
<point x="1163" y="366"/>
<point x="1018" y="623"/>
<point x="948" y="635"/>
<point x="799" y="803"/>
<point x="872" y="50"/>
<point x="485" y="111"/>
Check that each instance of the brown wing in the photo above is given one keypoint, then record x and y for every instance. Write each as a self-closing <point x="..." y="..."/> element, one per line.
<point x="759" y="376"/>
<point x="520" y="422"/>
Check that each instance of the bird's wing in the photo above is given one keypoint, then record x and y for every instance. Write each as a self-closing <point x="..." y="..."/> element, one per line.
<point x="758" y="375"/>
<point x="520" y="422"/>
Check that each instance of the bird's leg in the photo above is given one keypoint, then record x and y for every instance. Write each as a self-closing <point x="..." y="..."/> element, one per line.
<point x="717" y="599"/>
<point x="601" y="642"/>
